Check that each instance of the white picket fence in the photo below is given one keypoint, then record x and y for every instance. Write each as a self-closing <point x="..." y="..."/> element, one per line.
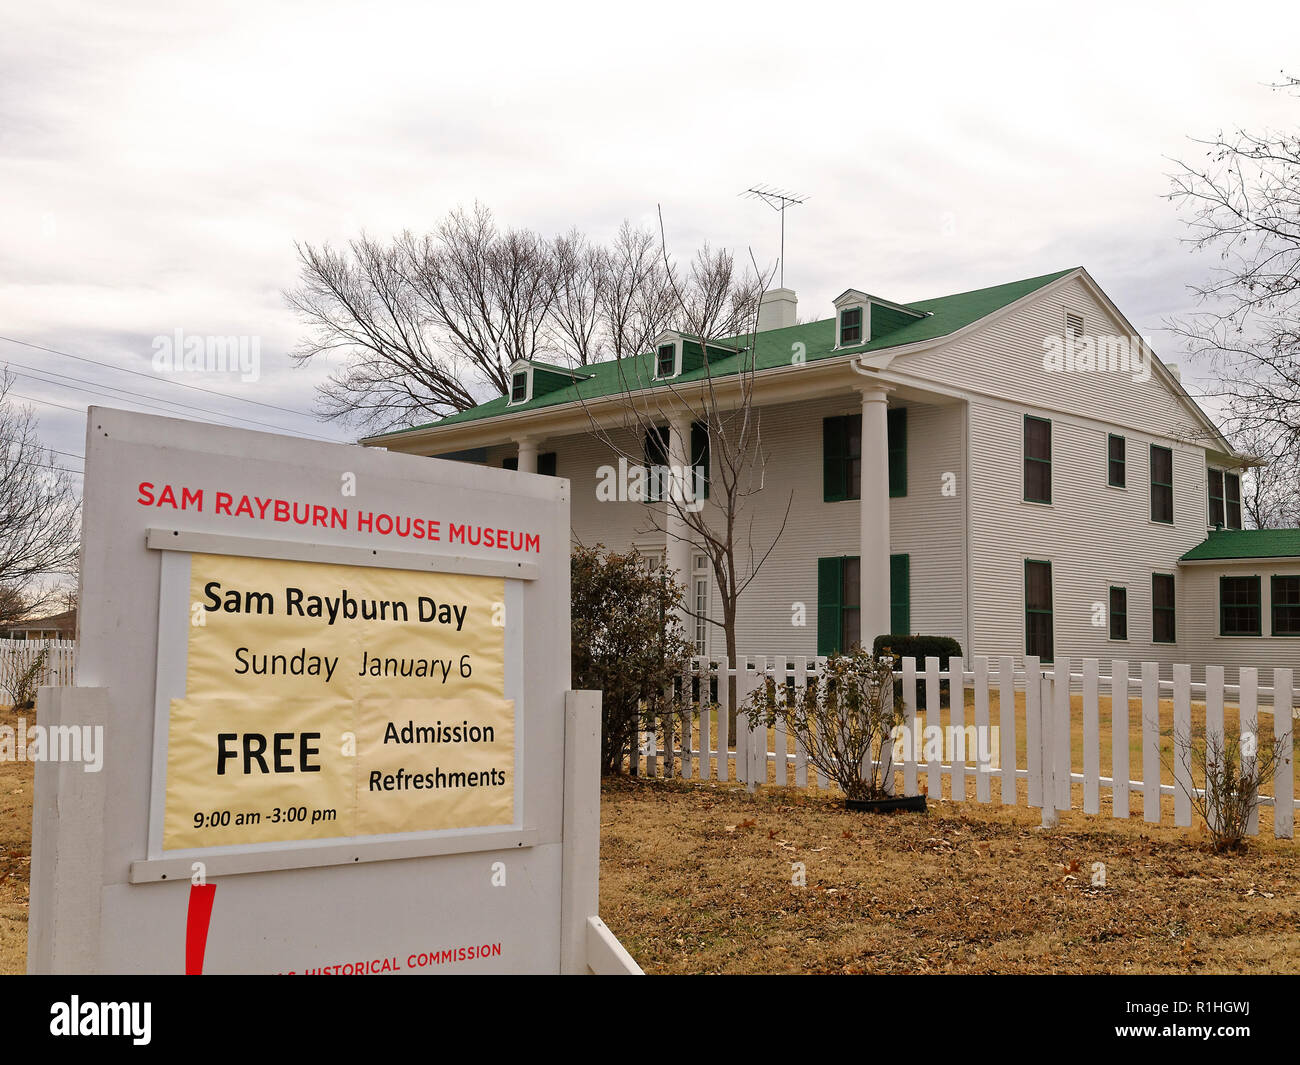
<point x="16" y="656"/>
<point x="711" y="753"/>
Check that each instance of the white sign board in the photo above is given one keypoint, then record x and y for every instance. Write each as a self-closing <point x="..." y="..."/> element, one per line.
<point x="337" y="732"/>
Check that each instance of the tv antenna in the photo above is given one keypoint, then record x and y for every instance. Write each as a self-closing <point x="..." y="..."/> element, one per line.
<point x="778" y="200"/>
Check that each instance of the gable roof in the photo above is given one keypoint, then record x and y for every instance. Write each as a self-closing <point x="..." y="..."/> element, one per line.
<point x="772" y="349"/>
<point x="1246" y="543"/>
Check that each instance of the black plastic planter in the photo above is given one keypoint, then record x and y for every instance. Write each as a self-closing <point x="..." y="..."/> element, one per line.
<point x="896" y="804"/>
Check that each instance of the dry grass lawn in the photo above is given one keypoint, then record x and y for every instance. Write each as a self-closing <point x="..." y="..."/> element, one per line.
<point x="697" y="878"/>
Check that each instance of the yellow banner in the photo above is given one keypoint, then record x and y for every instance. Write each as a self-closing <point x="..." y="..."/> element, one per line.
<point x="326" y="701"/>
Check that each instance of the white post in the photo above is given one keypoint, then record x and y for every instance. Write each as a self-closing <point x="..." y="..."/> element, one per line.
<point x="527" y="454"/>
<point x="1047" y="731"/>
<point x="873" y="548"/>
<point x="580" y="855"/>
<point x="67" y="871"/>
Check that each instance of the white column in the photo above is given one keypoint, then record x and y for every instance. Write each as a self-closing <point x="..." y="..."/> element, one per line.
<point x="678" y="548"/>
<point x="527" y="454"/>
<point x="873" y="548"/>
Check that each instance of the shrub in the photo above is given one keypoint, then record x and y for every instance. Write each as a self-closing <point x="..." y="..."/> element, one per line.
<point x="627" y="642"/>
<point x="20" y="682"/>
<point x="1234" y="769"/>
<point x="844" y="720"/>
<point x="919" y="647"/>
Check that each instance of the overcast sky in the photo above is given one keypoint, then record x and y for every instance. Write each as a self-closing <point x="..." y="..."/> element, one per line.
<point x="157" y="161"/>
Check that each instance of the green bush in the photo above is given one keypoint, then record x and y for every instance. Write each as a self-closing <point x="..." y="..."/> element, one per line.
<point x="919" y="647"/>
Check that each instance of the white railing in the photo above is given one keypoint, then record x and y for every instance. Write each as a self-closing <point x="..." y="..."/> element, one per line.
<point x="1050" y="698"/>
<point x="16" y="656"/>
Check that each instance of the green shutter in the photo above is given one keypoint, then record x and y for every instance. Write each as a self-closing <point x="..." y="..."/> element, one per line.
<point x="546" y="464"/>
<point x="700" y="455"/>
<point x="896" y="429"/>
<point x="830" y="598"/>
<point x="835" y="460"/>
<point x="900" y="595"/>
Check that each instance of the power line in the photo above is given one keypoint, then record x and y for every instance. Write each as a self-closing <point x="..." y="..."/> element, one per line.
<point x="82" y="411"/>
<point x="152" y="377"/>
<point x="113" y="388"/>
<point x="42" y="466"/>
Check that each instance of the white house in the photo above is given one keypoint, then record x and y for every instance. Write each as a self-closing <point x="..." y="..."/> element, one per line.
<point x="1010" y="466"/>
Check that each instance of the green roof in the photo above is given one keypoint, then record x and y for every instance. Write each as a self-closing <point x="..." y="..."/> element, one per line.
<point x="1247" y="543"/>
<point x="772" y="348"/>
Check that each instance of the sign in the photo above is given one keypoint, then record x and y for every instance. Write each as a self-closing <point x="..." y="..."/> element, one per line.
<point x="338" y="701"/>
<point x="338" y="735"/>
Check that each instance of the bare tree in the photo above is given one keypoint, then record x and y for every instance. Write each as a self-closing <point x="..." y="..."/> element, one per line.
<point x="427" y="326"/>
<point x="716" y="305"/>
<point x="40" y="516"/>
<point x="1242" y="200"/>
<point x="1270" y="494"/>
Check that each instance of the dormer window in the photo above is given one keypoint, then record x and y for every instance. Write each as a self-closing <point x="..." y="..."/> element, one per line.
<point x="850" y="326"/>
<point x="519" y="386"/>
<point x="666" y="360"/>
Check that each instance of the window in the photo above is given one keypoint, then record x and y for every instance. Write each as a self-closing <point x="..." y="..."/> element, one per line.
<point x="700" y="460"/>
<point x="842" y="455"/>
<point x="1118" y="613"/>
<point x="519" y="386"/>
<point x="1038" y="460"/>
<point x="1232" y="496"/>
<point x="666" y="361"/>
<point x="900" y="594"/>
<point x="850" y="326"/>
<point x="1116" y="473"/>
<point x="700" y="577"/>
<point x="545" y="463"/>
<point x="842" y="458"/>
<point x="896" y="427"/>
<point x="1215" y="477"/>
<point x="656" y="462"/>
<point x="1239" y="606"/>
<point x="1162" y="484"/>
<point x="839" y="625"/>
<point x="1038" y="610"/>
<point x="1286" y="606"/>
<point x="839" y="613"/>
<point x="1163" y="615"/>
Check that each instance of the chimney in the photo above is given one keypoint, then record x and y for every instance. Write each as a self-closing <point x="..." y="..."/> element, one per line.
<point x="776" y="309"/>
